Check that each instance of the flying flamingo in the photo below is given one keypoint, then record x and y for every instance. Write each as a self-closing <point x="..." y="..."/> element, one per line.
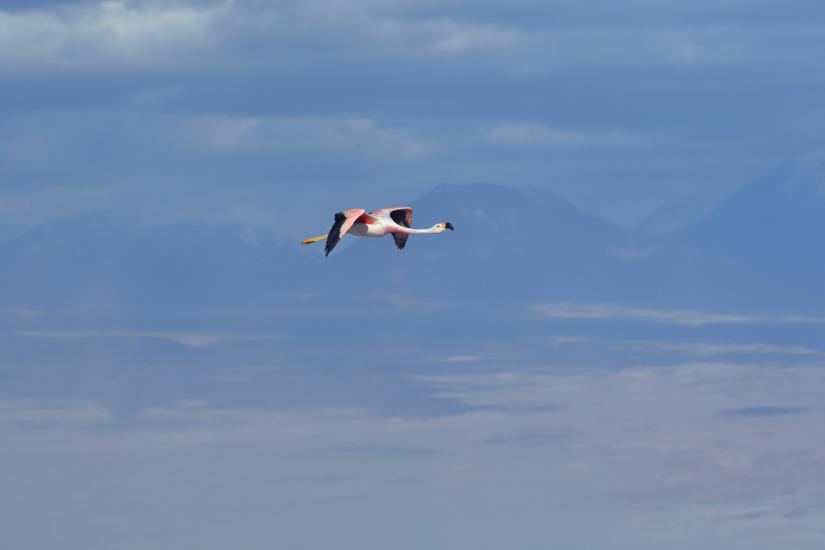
<point x="387" y="221"/>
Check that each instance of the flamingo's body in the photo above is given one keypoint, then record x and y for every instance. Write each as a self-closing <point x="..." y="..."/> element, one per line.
<point x="386" y="221"/>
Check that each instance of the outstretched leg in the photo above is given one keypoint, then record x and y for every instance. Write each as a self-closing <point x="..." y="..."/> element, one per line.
<point x="313" y="239"/>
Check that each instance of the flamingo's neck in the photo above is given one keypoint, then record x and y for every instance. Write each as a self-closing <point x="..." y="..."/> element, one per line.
<point x="413" y="231"/>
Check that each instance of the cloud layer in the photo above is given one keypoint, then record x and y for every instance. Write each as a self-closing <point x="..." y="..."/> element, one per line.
<point x="665" y="316"/>
<point x="145" y="35"/>
<point x="715" y="455"/>
<point x="110" y="35"/>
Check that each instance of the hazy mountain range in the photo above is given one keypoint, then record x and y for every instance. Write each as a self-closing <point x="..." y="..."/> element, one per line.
<point x="512" y="247"/>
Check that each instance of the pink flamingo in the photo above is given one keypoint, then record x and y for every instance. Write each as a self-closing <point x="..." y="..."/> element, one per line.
<point x="387" y="221"/>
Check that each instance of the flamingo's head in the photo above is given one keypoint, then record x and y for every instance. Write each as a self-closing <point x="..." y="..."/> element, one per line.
<point x="443" y="226"/>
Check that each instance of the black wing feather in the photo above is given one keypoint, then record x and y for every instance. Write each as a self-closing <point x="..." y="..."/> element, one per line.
<point x="403" y="218"/>
<point x="335" y="232"/>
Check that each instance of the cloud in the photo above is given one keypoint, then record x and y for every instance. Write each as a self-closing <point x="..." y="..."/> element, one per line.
<point x="191" y="339"/>
<point x="113" y="34"/>
<point x="404" y="301"/>
<point x="78" y="415"/>
<point x="538" y="136"/>
<point x="707" y="349"/>
<point x="382" y="451"/>
<point x="530" y="49"/>
<point x="462" y="358"/>
<point x="160" y="136"/>
<point x="680" y="456"/>
<point x="451" y="37"/>
<point x="20" y="312"/>
<point x="765" y="411"/>
<point x="696" y="349"/>
<point x="664" y="316"/>
<point x="120" y="35"/>
<point x="342" y="134"/>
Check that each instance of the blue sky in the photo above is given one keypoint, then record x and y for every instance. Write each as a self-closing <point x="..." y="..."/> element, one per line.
<point x="178" y="109"/>
<point x="537" y="378"/>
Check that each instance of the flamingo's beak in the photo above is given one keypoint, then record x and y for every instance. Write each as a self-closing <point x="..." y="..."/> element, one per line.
<point x="449" y="226"/>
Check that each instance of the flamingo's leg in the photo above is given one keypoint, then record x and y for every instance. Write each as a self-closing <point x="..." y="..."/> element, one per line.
<point x="313" y="239"/>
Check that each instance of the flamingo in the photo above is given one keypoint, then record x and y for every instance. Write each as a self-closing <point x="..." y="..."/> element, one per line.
<point x="395" y="221"/>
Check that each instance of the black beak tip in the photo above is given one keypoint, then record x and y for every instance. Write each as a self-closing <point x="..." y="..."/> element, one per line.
<point x="449" y="226"/>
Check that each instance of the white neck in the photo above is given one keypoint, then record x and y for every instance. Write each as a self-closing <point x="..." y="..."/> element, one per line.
<point x="429" y="230"/>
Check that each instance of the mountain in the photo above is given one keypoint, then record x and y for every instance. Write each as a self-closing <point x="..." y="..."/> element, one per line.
<point x="515" y="247"/>
<point x="674" y="215"/>
<point x="774" y="228"/>
<point x="506" y="241"/>
<point x="100" y="265"/>
<point x="512" y="248"/>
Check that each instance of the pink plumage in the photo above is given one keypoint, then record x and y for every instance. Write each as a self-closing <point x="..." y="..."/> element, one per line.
<point x="396" y="221"/>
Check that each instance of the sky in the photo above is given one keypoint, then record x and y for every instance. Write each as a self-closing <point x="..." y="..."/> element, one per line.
<point x="261" y="111"/>
<point x="537" y="378"/>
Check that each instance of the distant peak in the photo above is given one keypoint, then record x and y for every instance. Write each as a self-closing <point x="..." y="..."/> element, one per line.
<point x="492" y="191"/>
<point x="471" y="186"/>
<point x="805" y="174"/>
<point x="811" y="162"/>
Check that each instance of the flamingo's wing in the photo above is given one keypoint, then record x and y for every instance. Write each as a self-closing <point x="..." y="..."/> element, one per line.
<point x="403" y="216"/>
<point x="343" y="223"/>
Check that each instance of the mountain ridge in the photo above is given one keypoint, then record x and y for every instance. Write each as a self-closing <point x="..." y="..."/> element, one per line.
<point x="512" y="247"/>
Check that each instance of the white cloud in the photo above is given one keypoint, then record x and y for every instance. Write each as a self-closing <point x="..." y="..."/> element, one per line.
<point x="115" y="34"/>
<point x="191" y="339"/>
<point x="664" y="316"/>
<point x="249" y="35"/>
<point x="404" y="301"/>
<point x="707" y="349"/>
<point x="538" y="136"/>
<point x="696" y="349"/>
<point x="455" y="37"/>
<point x="528" y="49"/>
<point x="462" y="358"/>
<point x="343" y="134"/>
<point x="25" y="143"/>
<point x="79" y="415"/>
<point x="20" y="312"/>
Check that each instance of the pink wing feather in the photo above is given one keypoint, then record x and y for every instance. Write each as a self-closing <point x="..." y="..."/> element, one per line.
<point x="351" y="217"/>
<point x="343" y="222"/>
